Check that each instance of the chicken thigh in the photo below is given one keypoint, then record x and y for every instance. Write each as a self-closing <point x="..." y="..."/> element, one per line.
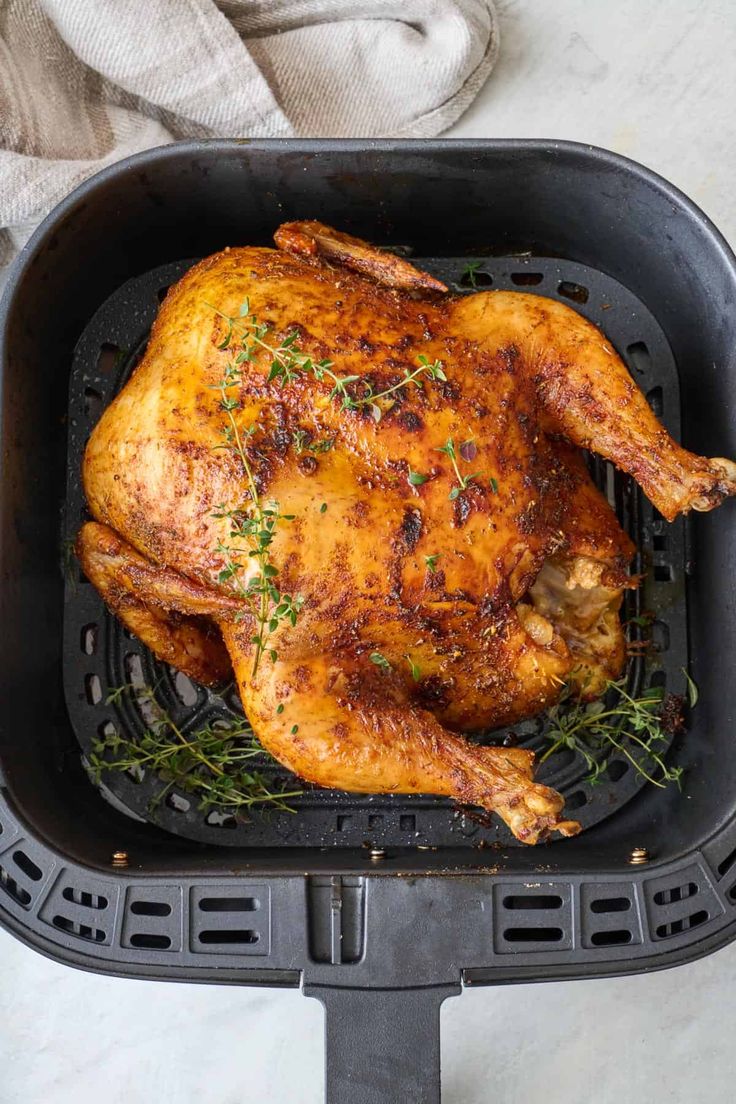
<point x="365" y="497"/>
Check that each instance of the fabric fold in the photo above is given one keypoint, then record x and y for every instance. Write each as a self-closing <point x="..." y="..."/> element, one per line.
<point x="84" y="83"/>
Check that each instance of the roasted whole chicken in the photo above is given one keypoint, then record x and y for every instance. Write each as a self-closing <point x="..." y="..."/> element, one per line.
<point x="365" y="497"/>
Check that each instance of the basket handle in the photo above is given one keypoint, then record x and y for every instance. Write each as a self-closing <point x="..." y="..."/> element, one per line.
<point x="382" y="1045"/>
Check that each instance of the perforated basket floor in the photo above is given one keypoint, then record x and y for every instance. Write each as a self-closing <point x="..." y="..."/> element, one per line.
<point x="101" y="655"/>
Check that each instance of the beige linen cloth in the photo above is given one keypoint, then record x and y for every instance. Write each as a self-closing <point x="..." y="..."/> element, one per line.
<point x="86" y="82"/>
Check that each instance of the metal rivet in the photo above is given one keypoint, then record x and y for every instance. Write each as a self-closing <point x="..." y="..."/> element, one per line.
<point x="119" y="858"/>
<point x="638" y="856"/>
<point x="377" y="853"/>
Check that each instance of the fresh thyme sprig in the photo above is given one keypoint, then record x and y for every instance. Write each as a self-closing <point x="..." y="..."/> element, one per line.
<point x="468" y="274"/>
<point x="303" y="442"/>
<point x="254" y="523"/>
<point x="464" y="481"/>
<point x="288" y="361"/>
<point x="433" y="370"/>
<point x="617" y="723"/>
<point x="212" y="764"/>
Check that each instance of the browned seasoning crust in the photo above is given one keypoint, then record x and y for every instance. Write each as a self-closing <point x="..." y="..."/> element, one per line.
<point x="482" y="605"/>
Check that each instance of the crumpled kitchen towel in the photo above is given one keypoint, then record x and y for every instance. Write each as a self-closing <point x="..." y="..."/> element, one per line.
<point x="84" y="83"/>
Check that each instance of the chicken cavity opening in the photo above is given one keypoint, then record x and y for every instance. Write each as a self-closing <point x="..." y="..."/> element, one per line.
<point x="567" y="602"/>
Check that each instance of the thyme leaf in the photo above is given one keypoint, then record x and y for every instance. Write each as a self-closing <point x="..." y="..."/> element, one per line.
<point x="416" y="671"/>
<point x="416" y="478"/>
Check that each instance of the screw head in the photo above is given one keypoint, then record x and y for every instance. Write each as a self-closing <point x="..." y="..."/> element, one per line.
<point x="638" y="855"/>
<point x="377" y="853"/>
<point x="120" y="858"/>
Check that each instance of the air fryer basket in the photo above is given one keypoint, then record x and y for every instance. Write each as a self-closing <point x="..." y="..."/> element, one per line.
<point x="379" y="906"/>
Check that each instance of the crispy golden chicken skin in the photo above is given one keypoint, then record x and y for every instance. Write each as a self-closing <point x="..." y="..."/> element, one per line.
<point x="440" y="593"/>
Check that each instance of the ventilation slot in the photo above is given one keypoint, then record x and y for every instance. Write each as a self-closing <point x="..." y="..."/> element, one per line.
<point x="660" y="637"/>
<point x="526" y="279"/>
<point x="576" y="292"/>
<point x="676" y="927"/>
<point x="92" y="403"/>
<point x="150" y="908"/>
<point x="408" y="822"/>
<point x="81" y="931"/>
<point x="93" y="689"/>
<point x="108" y="359"/>
<point x="616" y="769"/>
<point x="229" y="936"/>
<point x="20" y="896"/>
<point x="107" y="729"/>
<point x="229" y="904"/>
<point x="662" y="573"/>
<point x="161" y="293"/>
<point x="610" y="904"/>
<point x="475" y="278"/>
<point x="186" y="689"/>
<point x="375" y="820"/>
<point x="536" y="915"/>
<point x="178" y="803"/>
<point x="639" y="357"/>
<point x="656" y="401"/>
<point x="725" y="864"/>
<point x="216" y="819"/>
<point x="27" y="865"/>
<point x="89" y="639"/>
<point x="222" y="917"/>
<point x="615" y="938"/>
<point x="533" y="935"/>
<point x="153" y="942"/>
<point x="140" y="690"/>
<point x="537" y="901"/>
<point x="676" y="893"/>
<point x="659" y="679"/>
<point x="81" y="897"/>
<point x="576" y="800"/>
<point x="343" y="823"/>
<point x="152" y="918"/>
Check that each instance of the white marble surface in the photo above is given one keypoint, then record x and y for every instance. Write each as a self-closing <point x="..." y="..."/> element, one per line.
<point x="655" y="81"/>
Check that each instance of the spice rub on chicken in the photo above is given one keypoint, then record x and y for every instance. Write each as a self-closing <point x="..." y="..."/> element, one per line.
<point x="365" y="497"/>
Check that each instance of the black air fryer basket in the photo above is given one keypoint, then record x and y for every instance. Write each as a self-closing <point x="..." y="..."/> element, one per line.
<point x="380" y="906"/>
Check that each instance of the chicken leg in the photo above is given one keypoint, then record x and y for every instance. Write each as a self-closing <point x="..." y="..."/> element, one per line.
<point x="350" y="726"/>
